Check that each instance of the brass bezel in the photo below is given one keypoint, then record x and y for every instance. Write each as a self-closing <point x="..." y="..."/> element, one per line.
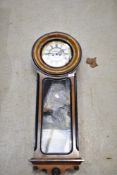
<point x="36" y="53"/>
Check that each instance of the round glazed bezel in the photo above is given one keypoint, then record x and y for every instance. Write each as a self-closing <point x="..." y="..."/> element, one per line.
<point x="41" y="42"/>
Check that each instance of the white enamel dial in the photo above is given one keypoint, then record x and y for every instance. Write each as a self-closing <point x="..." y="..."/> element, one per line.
<point x="56" y="53"/>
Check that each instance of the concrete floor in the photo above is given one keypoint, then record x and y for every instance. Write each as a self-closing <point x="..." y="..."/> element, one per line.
<point x="94" y="24"/>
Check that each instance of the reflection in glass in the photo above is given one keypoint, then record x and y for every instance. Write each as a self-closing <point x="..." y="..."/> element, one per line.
<point x="56" y="124"/>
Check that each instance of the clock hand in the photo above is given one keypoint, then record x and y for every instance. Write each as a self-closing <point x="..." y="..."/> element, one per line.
<point x="60" y="52"/>
<point x="49" y="53"/>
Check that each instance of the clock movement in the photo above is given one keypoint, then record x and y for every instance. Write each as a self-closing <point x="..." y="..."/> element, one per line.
<point x="56" y="56"/>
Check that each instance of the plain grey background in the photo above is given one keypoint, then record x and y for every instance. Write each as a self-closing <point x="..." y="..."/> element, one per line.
<point x="94" y="24"/>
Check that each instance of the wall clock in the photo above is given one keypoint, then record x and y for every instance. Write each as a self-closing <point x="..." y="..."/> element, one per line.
<point x="56" y="56"/>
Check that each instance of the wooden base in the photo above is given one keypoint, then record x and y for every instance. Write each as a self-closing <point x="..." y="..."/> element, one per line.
<point x="56" y="167"/>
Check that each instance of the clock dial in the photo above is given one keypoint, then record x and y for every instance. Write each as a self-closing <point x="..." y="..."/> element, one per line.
<point x="56" y="53"/>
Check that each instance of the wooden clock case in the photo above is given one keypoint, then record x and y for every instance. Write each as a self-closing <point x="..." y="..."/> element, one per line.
<point x="56" y="163"/>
